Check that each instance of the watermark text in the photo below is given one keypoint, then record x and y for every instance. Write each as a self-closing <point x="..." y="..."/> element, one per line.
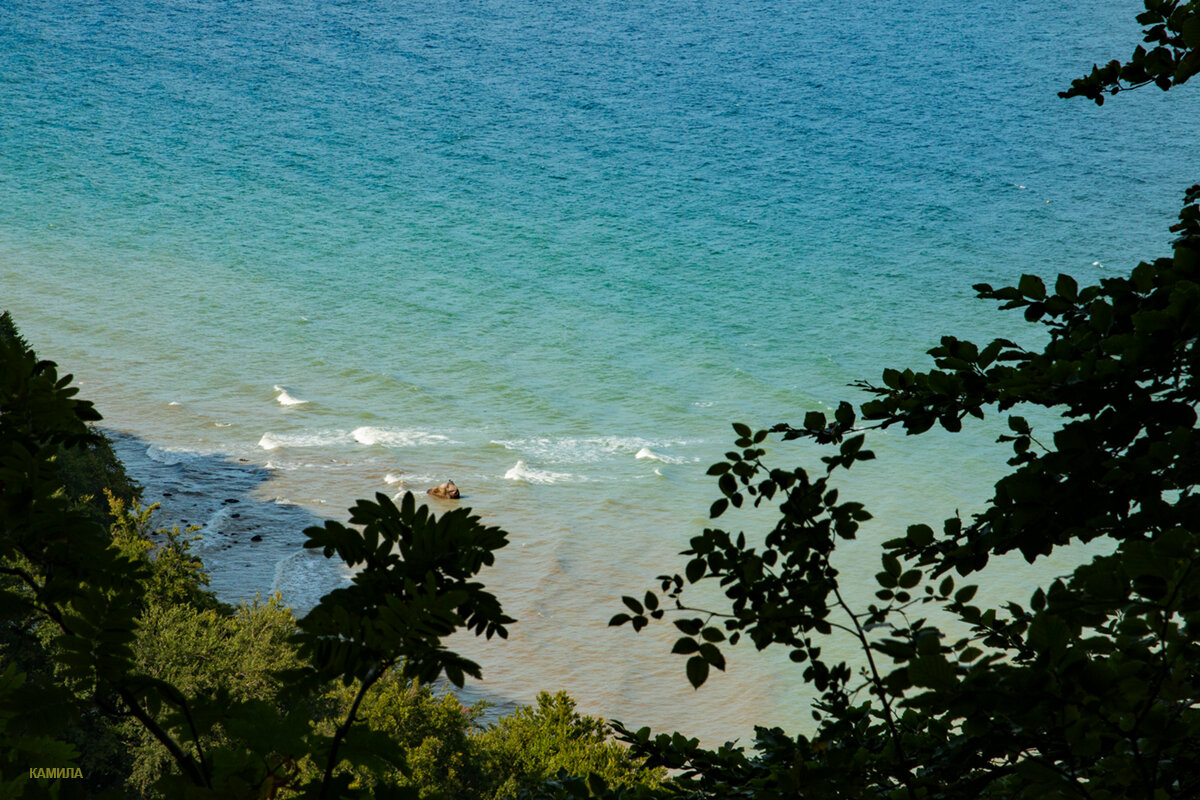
<point x="55" y="773"/>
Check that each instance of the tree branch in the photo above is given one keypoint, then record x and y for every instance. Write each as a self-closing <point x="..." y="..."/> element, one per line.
<point x="188" y="764"/>
<point x="343" y="729"/>
<point x="889" y="717"/>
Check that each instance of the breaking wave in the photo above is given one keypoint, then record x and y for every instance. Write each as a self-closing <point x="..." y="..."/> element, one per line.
<point x="647" y="453"/>
<point x="582" y="450"/>
<point x="285" y="399"/>
<point x="389" y="437"/>
<point x="523" y="472"/>
<point x="274" y="441"/>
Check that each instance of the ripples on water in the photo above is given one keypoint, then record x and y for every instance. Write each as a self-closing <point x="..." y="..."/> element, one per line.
<point x="548" y="251"/>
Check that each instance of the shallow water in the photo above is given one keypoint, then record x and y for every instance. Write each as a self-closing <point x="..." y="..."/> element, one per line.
<point x="550" y="252"/>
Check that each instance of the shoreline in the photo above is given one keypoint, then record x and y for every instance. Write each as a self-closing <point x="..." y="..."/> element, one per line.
<point x="250" y="546"/>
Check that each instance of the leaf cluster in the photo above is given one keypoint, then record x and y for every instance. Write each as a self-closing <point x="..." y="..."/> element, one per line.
<point x="1172" y="31"/>
<point x="1090" y="690"/>
<point x="125" y="632"/>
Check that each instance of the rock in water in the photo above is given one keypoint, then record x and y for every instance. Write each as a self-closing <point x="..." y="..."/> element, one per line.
<point x="447" y="491"/>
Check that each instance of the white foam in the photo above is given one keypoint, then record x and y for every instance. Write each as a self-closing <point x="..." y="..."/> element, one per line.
<point x="389" y="437"/>
<point x="522" y="472"/>
<point x="577" y="450"/>
<point x="304" y="577"/>
<point x="274" y="441"/>
<point x="646" y="452"/>
<point x="406" y="482"/>
<point x="285" y="399"/>
<point x="213" y="523"/>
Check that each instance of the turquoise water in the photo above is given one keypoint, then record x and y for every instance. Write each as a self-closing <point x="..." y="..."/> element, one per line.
<point x="551" y="252"/>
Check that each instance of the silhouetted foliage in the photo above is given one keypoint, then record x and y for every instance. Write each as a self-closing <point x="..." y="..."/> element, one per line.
<point x="90" y="470"/>
<point x="1172" y="29"/>
<point x="86" y="593"/>
<point x="1091" y="689"/>
<point x="115" y="658"/>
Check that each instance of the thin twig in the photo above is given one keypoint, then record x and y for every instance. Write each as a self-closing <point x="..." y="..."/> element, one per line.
<point x="343" y="729"/>
<point x="186" y="762"/>
<point x="878" y="681"/>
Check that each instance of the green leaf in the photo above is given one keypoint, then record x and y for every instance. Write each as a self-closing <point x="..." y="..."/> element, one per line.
<point x="454" y="674"/>
<point x="712" y="654"/>
<point x="1018" y="424"/>
<point x="1032" y="287"/>
<point x="1066" y="287"/>
<point x="844" y="414"/>
<point x="920" y="535"/>
<point x="697" y="671"/>
<point x="853" y="445"/>
<point x="969" y="654"/>
<point x="1190" y="31"/>
<point x="1038" y="601"/>
<point x="932" y="671"/>
<point x="1049" y="634"/>
<point x="684" y="645"/>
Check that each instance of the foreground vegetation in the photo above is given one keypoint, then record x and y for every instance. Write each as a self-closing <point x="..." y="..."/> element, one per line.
<point x="1090" y="689"/>
<point x="116" y="659"/>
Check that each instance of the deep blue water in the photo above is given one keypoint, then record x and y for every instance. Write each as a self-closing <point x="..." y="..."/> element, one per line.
<point x="551" y="251"/>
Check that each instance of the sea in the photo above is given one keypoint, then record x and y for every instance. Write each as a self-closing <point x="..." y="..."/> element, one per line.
<point x="304" y="252"/>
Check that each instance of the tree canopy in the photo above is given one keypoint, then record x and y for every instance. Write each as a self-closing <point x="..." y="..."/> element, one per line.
<point x="1089" y="689"/>
<point x="117" y="662"/>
